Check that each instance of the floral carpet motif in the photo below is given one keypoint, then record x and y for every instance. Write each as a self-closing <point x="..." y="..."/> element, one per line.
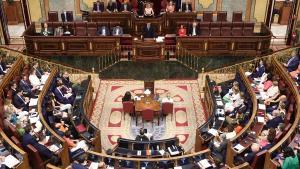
<point x="187" y="115"/>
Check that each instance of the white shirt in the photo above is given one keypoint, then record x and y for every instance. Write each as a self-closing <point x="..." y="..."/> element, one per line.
<point x="194" y="31"/>
<point x="44" y="78"/>
<point x="65" y="13"/>
<point x="34" y="80"/>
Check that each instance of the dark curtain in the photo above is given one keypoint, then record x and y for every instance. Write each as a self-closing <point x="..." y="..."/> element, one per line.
<point x="156" y="6"/>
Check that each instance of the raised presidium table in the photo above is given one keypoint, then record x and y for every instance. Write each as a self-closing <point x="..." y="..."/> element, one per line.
<point x="144" y="102"/>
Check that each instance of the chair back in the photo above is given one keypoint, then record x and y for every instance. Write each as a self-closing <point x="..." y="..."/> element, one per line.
<point x="221" y="16"/>
<point x="167" y="108"/>
<point x="207" y="16"/>
<point x="53" y="16"/>
<point x="35" y="159"/>
<point x="128" y="107"/>
<point x="259" y="159"/>
<point x="237" y="16"/>
<point x="148" y="115"/>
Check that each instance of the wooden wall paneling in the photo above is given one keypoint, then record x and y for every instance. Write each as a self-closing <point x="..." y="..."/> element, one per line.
<point x="248" y="10"/>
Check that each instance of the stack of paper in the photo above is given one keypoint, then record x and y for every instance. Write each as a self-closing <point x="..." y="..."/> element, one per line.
<point x="178" y="167"/>
<point x="10" y="161"/>
<point x="53" y="148"/>
<point x="260" y="119"/>
<point x="261" y="106"/>
<point x="94" y="165"/>
<point x="220" y="103"/>
<point x="33" y="102"/>
<point x="213" y="132"/>
<point x="204" y="164"/>
<point x="139" y="152"/>
<point x="238" y="147"/>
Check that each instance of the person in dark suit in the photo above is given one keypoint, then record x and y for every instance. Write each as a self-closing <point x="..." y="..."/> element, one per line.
<point x="2" y="66"/>
<point x="186" y="7"/>
<point x="193" y="29"/>
<point x="125" y="7"/>
<point x="66" y="80"/>
<point x="141" y="136"/>
<point x="149" y="31"/>
<point x="46" y="31"/>
<point x="127" y="163"/>
<point x="67" y="31"/>
<point x="112" y="6"/>
<point x="117" y="31"/>
<point x="103" y="31"/>
<point x="38" y="71"/>
<point x="28" y="139"/>
<point x="293" y="62"/>
<point x="19" y="101"/>
<point x="98" y="6"/>
<point x="177" y="5"/>
<point x="27" y="88"/>
<point x="62" y="96"/>
<point x="249" y="157"/>
<point x="66" y="16"/>
<point x="140" y="10"/>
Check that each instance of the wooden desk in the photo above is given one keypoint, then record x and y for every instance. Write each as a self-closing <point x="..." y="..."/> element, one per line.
<point x="148" y="50"/>
<point x="147" y="102"/>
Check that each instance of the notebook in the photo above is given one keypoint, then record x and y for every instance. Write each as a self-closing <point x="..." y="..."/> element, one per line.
<point x="11" y="161"/>
<point x="204" y="163"/>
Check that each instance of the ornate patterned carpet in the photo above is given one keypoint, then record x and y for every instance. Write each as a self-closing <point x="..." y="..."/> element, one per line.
<point x="188" y="112"/>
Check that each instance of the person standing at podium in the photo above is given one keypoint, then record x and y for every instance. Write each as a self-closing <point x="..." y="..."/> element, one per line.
<point x="149" y="31"/>
<point x="98" y="6"/>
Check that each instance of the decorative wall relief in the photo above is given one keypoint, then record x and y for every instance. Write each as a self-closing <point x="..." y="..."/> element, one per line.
<point x="206" y="5"/>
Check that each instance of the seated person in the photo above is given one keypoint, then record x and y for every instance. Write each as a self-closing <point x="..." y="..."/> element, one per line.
<point x="194" y="29"/>
<point x="61" y="126"/>
<point x="272" y="93"/>
<point x="218" y="147"/>
<point x="291" y="159"/>
<point x="126" y="6"/>
<point x="234" y="104"/>
<point x="59" y="31"/>
<point x="148" y="11"/>
<point x="295" y="74"/>
<point x="259" y="70"/>
<point x="103" y="31"/>
<point x="127" y="163"/>
<point x="233" y="95"/>
<point x="79" y="163"/>
<point x="293" y="62"/>
<point x="163" y="5"/>
<point x="186" y="6"/>
<point x="46" y="31"/>
<point x="170" y="8"/>
<point x="140" y="10"/>
<point x="65" y="79"/>
<point x="267" y="143"/>
<point x="141" y="136"/>
<point x="98" y="6"/>
<point x="67" y="31"/>
<point x="74" y="144"/>
<point x="62" y="95"/>
<point x="38" y="71"/>
<point x="127" y="97"/>
<point x="112" y="6"/>
<point x="167" y="99"/>
<point x="182" y="31"/>
<point x="33" y="79"/>
<point x="277" y="116"/>
<point x="27" y="88"/>
<point x="149" y="31"/>
<point x="43" y="150"/>
<point x="117" y="31"/>
<point x="249" y="157"/>
<point x="229" y="132"/>
<point x="3" y="68"/>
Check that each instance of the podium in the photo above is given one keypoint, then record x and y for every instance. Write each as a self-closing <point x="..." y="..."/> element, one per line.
<point x="148" y="50"/>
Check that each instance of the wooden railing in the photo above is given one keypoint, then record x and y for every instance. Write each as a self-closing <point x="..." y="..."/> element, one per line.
<point x="230" y="153"/>
<point x="64" y="152"/>
<point x="269" y="162"/>
<point x="24" y="164"/>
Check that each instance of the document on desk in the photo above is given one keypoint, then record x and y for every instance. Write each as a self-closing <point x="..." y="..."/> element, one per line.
<point x="178" y="167"/>
<point x="162" y="152"/>
<point x="238" y="148"/>
<point x="213" y="132"/>
<point x="220" y="103"/>
<point x="94" y="165"/>
<point x="260" y="119"/>
<point x="139" y="153"/>
<point x="173" y="152"/>
<point x="204" y="163"/>
<point x="11" y="161"/>
<point x="261" y="106"/>
<point x="33" y="102"/>
<point x="53" y="148"/>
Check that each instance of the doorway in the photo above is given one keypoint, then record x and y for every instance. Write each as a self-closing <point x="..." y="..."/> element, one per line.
<point x="15" y="19"/>
<point x="281" y="21"/>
